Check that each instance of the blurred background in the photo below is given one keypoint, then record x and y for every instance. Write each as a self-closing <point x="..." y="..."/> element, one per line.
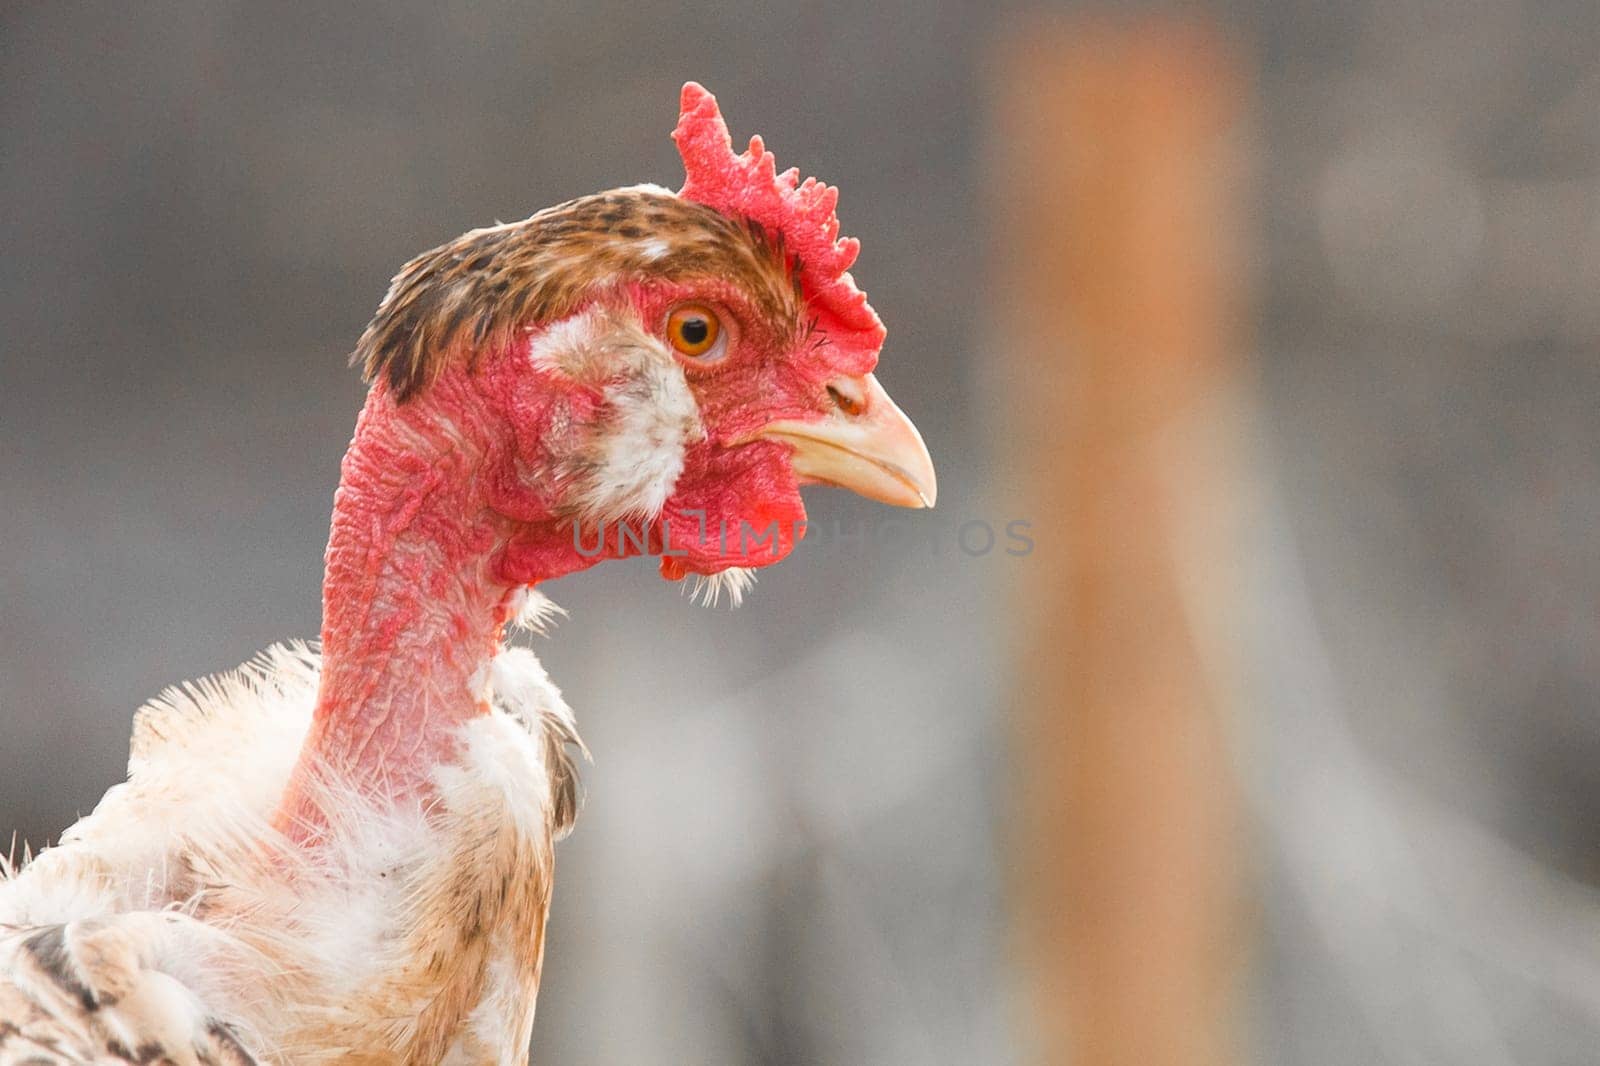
<point x="1275" y="323"/>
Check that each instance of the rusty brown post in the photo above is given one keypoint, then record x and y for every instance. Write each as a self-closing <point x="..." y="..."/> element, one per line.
<point x="1115" y="191"/>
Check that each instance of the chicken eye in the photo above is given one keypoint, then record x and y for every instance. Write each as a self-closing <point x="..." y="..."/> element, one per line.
<point x="693" y="330"/>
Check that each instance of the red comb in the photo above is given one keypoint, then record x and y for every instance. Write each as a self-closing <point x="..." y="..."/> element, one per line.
<point x="749" y="184"/>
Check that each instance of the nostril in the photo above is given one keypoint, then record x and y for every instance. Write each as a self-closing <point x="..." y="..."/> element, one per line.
<point x="850" y="405"/>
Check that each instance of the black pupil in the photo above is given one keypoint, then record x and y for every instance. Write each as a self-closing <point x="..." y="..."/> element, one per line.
<point x="694" y="331"/>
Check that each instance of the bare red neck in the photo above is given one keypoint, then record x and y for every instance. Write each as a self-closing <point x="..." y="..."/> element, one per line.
<point x="445" y="506"/>
<point x="413" y="610"/>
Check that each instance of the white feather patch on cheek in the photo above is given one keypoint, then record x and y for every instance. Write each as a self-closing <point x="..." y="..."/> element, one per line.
<point x="639" y="458"/>
<point x="633" y="454"/>
<point x="566" y="346"/>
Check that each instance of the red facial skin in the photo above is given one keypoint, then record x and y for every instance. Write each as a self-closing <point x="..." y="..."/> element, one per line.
<point x="446" y="506"/>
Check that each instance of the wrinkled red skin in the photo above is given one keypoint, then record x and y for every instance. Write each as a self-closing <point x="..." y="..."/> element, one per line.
<point x="449" y="502"/>
<point x="446" y="505"/>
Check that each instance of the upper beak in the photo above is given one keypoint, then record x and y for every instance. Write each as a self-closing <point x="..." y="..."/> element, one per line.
<point x="865" y="444"/>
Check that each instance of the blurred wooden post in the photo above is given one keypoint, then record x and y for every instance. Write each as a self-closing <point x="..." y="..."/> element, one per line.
<point x="1115" y="186"/>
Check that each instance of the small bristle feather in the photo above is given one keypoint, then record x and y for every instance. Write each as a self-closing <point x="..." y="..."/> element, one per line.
<point x="734" y="582"/>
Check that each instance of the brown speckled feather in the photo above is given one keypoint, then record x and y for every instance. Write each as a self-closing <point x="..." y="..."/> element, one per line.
<point x="472" y="294"/>
<point x="79" y="993"/>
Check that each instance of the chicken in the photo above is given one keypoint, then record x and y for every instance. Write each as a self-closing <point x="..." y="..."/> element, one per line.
<point x="345" y="854"/>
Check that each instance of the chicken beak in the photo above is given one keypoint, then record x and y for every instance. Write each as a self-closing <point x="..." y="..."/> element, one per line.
<point x="865" y="444"/>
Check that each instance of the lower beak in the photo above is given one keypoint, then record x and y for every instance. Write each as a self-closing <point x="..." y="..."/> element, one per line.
<point x="865" y="444"/>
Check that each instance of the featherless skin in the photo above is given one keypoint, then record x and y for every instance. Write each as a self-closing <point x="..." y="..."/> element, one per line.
<point x="345" y="854"/>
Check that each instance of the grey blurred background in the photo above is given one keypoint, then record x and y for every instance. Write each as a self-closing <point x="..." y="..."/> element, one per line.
<point x="202" y="204"/>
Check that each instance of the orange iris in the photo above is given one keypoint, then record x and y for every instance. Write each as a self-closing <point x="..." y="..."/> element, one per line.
<point x="693" y="329"/>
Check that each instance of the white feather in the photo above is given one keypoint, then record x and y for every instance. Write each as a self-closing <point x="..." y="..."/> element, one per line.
<point x="534" y="612"/>
<point x="641" y="453"/>
<point x="734" y="582"/>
